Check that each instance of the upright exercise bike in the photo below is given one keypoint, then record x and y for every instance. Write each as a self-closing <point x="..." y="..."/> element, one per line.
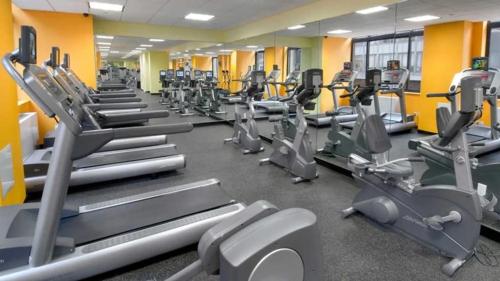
<point x="297" y="155"/>
<point x="246" y="135"/>
<point x="443" y="217"/>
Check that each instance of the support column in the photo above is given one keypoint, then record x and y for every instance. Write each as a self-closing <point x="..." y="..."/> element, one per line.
<point x="335" y="51"/>
<point x="151" y="62"/>
<point x="12" y="189"/>
<point x="447" y="51"/>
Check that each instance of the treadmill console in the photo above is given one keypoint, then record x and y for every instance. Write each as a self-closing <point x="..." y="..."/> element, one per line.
<point x="198" y="74"/>
<point x="169" y="74"/>
<point x="209" y="75"/>
<point x="490" y="77"/>
<point x="345" y="75"/>
<point x="179" y="75"/>
<point x="394" y="78"/>
<point x="163" y="75"/>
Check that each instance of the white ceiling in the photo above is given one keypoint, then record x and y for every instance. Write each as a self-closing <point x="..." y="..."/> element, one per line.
<point x="228" y="13"/>
<point x="383" y="22"/>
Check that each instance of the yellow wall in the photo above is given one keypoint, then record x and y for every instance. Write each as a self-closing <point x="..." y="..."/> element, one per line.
<point x="98" y="60"/>
<point x="447" y="50"/>
<point x="201" y="62"/>
<point x="240" y="60"/>
<point x="272" y="56"/>
<point x="151" y="63"/>
<point x="335" y="52"/>
<point x="72" y="33"/>
<point x="9" y="111"/>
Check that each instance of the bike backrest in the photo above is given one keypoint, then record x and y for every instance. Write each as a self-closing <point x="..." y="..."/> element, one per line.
<point x="376" y="137"/>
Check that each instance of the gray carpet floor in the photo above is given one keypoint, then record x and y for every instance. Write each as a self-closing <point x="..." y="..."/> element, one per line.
<point x="353" y="249"/>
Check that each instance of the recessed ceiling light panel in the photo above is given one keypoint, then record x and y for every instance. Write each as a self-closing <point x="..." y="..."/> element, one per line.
<point x="422" y="18"/>
<point x="339" y="31"/>
<point x="295" y="27"/>
<point x="198" y="17"/>
<point x="372" y="10"/>
<point x="105" y="6"/>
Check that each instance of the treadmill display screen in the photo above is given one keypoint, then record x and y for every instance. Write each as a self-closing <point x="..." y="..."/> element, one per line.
<point x="179" y="74"/>
<point x="393" y="65"/>
<point x="480" y="63"/>
<point x="209" y="74"/>
<point x="169" y="74"/>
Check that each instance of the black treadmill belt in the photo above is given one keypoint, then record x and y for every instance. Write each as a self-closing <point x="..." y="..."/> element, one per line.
<point x="95" y="225"/>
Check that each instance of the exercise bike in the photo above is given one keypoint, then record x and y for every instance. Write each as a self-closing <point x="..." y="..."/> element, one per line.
<point x="297" y="155"/>
<point x="445" y="218"/>
<point x="246" y="135"/>
<point x="342" y="141"/>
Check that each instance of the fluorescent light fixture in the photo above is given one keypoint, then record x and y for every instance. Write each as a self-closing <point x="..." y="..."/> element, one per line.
<point x="186" y="55"/>
<point x="198" y="17"/>
<point x="156" y="40"/>
<point x="104" y="43"/>
<point x="114" y="52"/>
<point x="210" y="53"/>
<point x="252" y="46"/>
<point x="422" y="18"/>
<point x="186" y="51"/>
<point x="197" y="49"/>
<point x="199" y="54"/>
<point x="218" y="44"/>
<point x="105" y="6"/>
<point x="104" y="37"/>
<point x="140" y="49"/>
<point x="299" y="26"/>
<point x="225" y="51"/>
<point x="372" y="10"/>
<point x="339" y="31"/>
<point x="146" y="45"/>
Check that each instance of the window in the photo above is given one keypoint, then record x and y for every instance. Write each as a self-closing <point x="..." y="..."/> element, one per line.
<point x="374" y="52"/>
<point x="384" y="50"/>
<point x="359" y="58"/>
<point x="293" y="59"/>
<point x="494" y="45"/>
<point x="215" y="67"/>
<point x="259" y="60"/>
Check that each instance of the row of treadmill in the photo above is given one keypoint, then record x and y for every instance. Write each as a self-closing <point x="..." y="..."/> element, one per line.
<point x="103" y="134"/>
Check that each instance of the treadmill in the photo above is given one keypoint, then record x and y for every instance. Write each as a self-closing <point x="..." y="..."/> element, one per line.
<point x="104" y="103"/>
<point x="272" y="104"/>
<point x="120" y="114"/>
<point x="394" y="80"/>
<point x="343" y="80"/>
<point x="276" y="106"/>
<point x="111" y="161"/>
<point x="482" y="139"/>
<point x="52" y="241"/>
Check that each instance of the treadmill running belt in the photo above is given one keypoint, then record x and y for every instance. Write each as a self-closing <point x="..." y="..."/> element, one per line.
<point x="94" y="225"/>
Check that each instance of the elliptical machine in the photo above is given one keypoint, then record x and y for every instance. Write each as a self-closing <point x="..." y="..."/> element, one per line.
<point x="443" y="217"/>
<point x="246" y="135"/>
<point x="297" y="155"/>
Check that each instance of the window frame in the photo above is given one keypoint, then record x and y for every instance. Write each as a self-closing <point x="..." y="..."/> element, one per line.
<point x="489" y="27"/>
<point x="407" y="34"/>
<point x="215" y="73"/>
<point x="263" y="60"/>
<point x="288" y="52"/>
